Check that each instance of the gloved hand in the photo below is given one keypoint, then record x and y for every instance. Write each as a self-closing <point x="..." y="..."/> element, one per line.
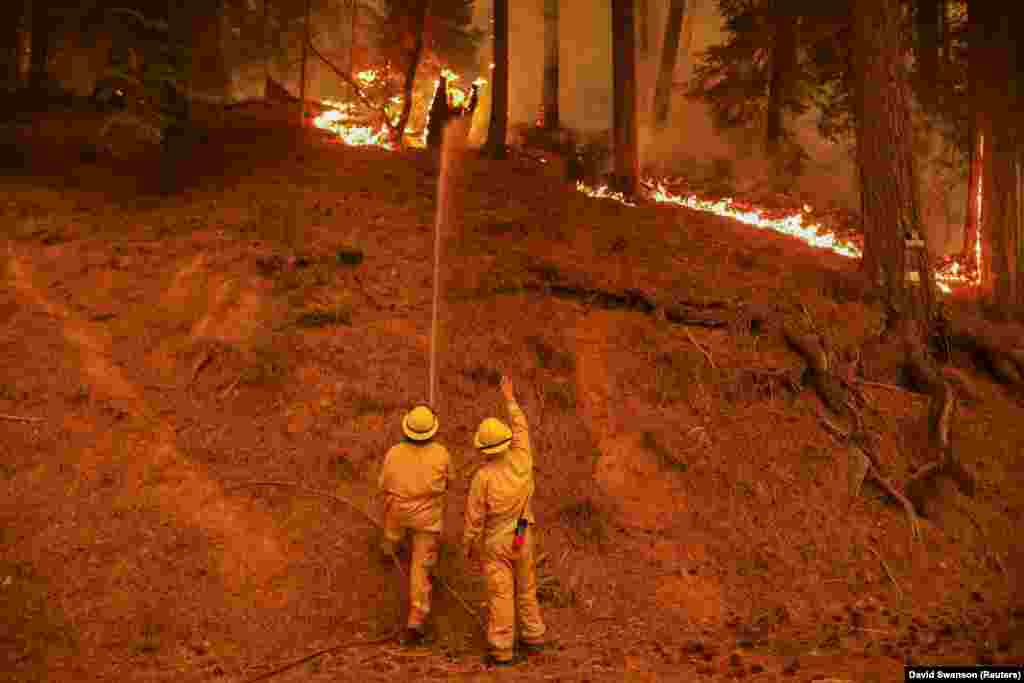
<point x="506" y="388"/>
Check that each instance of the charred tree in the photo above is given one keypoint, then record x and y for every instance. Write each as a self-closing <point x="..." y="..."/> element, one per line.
<point x="783" y="72"/>
<point x="669" y="55"/>
<point x="624" y="124"/>
<point x="551" y="59"/>
<point x="419" y="27"/>
<point x="497" y="131"/>
<point x="440" y="114"/>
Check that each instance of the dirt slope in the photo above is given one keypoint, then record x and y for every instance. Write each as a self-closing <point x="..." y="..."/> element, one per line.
<point x="172" y="356"/>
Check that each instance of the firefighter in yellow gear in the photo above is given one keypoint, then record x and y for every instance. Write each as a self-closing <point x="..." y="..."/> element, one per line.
<point x="414" y="481"/>
<point x="498" y="510"/>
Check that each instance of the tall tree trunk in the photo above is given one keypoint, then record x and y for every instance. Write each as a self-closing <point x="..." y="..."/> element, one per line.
<point x="783" y="67"/>
<point x="928" y="24"/>
<point x="305" y="56"/>
<point x="667" y="69"/>
<point x="643" y="17"/>
<point x="999" y="272"/>
<point x="43" y="27"/>
<point x="551" y="47"/>
<point x="886" y="165"/>
<point x="418" y="27"/>
<point x="974" y="197"/>
<point x="266" y="49"/>
<point x="498" y="129"/>
<point x="1000" y="105"/>
<point x="627" y="158"/>
<point x="975" y="205"/>
<point x="11" y="14"/>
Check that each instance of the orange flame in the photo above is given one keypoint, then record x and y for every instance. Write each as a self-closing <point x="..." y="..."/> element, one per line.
<point x="949" y="275"/>
<point x="338" y="121"/>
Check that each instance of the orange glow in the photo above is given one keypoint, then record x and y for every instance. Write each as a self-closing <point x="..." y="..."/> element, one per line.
<point x="338" y="121"/>
<point x="950" y="274"/>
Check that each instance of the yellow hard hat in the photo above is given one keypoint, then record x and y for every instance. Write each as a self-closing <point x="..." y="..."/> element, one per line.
<point x="492" y="436"/>
<point x="420" y="423"/>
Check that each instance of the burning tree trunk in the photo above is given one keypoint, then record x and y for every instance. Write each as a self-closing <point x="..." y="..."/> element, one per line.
<point x="551" y="47"/>
<point x="888" y="182"/>
<point x="971" y="245"/>
<point x="999" y="106"/>
<point x="497" y="130"/>
<point x="783" y="67"/>
<point x="627" y="159"/>
<point x="305" y="55"/>
<point x="669" y="53"/>
<point x="418" y="28"/>
<point x="976" y="135"/>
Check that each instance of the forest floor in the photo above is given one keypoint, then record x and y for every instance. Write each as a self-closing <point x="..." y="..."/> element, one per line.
<point x="166" y="355"/>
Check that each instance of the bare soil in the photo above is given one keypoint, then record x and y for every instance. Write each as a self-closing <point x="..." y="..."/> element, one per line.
<point x="170" y="355"/>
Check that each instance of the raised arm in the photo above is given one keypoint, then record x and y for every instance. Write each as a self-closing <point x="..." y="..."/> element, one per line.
<point x="517" y="422"/>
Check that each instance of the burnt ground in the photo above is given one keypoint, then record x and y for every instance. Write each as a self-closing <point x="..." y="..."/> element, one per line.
<point x="169" y="354"/>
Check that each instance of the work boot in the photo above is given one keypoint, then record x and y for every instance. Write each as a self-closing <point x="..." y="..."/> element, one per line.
<point x="411" y="637"/>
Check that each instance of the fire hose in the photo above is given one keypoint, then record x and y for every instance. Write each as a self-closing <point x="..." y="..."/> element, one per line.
<point x="370" y="518"/>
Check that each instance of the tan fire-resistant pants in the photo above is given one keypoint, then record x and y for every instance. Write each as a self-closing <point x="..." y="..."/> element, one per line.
<point x="512" y="591"/>
<point x="424" y="558"/>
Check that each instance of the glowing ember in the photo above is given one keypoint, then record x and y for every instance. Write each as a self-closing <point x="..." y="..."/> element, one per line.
<point x="603" y="192"/>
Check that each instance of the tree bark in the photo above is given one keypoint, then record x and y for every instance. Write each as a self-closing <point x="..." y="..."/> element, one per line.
<point x="551" y="47"/>
<point x="498" y="129"/>
<point x="669" y="55"/>
<point x="886" y="166"/>
<point x="969" y="253"/>
<point x="928" y="24"/>
<point x="627" y="158"/>
<point x="302" y="76"/>
<point x="11" y="14"/>
<point x="783" y="67"/>
<point x="643" y="19"/>
<point x="1000" y="232"/>
<point x="419" y="27"/>
<point x="43" y="29"/>
<point x="975" y="204"/>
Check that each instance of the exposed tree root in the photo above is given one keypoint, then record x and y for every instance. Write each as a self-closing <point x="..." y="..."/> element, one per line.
<point x="839" y="398"/>
<point x="1001" y="349"/>
<point x="679" y="312"/>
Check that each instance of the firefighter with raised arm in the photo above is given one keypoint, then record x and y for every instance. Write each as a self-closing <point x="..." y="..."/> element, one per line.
<point x="498" y="531"/>
<point x="414" y="481"/>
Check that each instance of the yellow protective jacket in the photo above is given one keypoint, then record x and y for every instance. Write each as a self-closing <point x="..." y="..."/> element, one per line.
<point x="500" y="488"/>
<point x="414" y="481"/>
